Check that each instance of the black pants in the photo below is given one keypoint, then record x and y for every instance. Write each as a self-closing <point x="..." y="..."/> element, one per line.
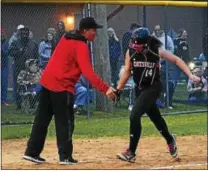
<point x="146" y="103"/>
<point x="59" y="104"/>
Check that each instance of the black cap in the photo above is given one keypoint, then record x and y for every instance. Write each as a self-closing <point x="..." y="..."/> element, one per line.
<point x="89" y="23"/>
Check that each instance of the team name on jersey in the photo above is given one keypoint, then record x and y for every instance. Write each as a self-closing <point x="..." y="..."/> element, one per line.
<point x="144" y="64"/>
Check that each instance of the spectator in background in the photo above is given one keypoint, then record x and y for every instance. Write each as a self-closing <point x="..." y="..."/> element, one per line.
<point x="21" y="50"/>
<point x="31" y="75"/>
<point x="172" y="34"/>
<point x="31" y="35"/>
<point x="115" y="54"/>
<point x="52" y="31"/>
<point x="171" y="85"/>
<point x="160" y="35"/>
<point x="11" y="40"/>
<point x="182" y="51"/>
<point x="46" y="48"/>
<point x="205" y="53"/>
<point x="60" y="30"/>
<point x="198" y="91"/>
<point x="30" y="78"/>
<point x="15" y="34"/>
<point x="205" y="45"/>
<point x="202" y="57"/>
<point x="82" y="94"/>
<point x="205" y="74"/>
<point x="127" y="36"/>
<point x="4" y="68"/>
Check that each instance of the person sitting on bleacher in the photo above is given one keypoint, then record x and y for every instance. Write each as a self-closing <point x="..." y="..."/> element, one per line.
<point x="30" y="77"/>
<point x="171" y="86"/>
<point x="202" y="57"/>
<point x="204" y="61"/>
<point x="197" y="91"/>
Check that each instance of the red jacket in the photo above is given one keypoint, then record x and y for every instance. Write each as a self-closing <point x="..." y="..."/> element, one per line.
<point x="70" y="59"/>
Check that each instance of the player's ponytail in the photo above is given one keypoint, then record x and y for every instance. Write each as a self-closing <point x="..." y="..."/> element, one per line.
<point x="153" y="42"/>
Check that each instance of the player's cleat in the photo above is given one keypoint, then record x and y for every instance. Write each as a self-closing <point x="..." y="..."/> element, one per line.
<point x="70" y="161"/>
<point x="173" y="147"/>
<point x="37" y="160"/>
<point x="127" y="156"/>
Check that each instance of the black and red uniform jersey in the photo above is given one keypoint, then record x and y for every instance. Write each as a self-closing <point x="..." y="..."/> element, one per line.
<point x="145" y="68"/>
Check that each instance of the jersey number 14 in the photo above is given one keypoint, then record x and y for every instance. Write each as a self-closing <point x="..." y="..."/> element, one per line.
<point x="148" y="73"/>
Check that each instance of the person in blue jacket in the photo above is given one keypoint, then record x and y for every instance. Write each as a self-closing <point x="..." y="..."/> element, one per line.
<point x="4" y="68"/>
<point x="46" y="48"/>
<point x="83" y="93"/>
<point x="115" y="54"/>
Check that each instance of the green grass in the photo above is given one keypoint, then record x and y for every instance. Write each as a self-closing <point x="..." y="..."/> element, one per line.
<point x="181" y="125"/>
<point x="115" y="124"/>
<point x="10" y="115"/>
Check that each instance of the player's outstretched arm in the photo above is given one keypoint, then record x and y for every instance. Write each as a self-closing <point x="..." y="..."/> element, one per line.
<point x="179" y="62"/>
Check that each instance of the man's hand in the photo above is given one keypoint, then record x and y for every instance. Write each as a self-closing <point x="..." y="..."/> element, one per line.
<point x="118" y="93"/>
<point x="111" y="93"/>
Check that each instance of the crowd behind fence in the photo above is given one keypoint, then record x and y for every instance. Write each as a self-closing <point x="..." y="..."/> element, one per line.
<point x="23" y="59"/>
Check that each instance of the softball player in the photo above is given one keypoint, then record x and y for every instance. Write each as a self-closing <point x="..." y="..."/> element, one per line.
<point x="142" y="62"/>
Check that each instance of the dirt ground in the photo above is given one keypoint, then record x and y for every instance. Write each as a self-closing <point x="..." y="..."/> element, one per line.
<point x="101" y="154"/>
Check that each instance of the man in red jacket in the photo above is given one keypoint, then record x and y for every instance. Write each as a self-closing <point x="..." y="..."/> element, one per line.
<point x="70" y="59"/>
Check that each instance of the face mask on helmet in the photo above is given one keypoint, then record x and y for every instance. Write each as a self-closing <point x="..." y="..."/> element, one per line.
<point x="139" y="40"/>
<point x="139" y="48"/>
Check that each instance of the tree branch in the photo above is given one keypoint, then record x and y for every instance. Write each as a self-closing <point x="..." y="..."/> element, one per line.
<point x="115" y="12"/>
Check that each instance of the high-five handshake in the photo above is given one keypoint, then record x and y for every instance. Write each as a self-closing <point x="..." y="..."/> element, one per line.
<point x="113" y="94"/>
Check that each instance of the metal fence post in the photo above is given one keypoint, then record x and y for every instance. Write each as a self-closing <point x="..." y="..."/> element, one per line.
<point x="144" y="14"/>
<point x="166" y="62"/>
<point x="88" y="13"/>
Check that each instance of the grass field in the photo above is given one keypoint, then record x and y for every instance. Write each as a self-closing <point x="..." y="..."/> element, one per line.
<point x="195" y="124"/>
<point x="115" y="124"/>
<point x="11" y="115"/>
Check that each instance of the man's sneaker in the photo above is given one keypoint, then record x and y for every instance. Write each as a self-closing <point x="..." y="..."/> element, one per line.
<point x="173" y="147"/>
<point x="127" y="156"/>
<point x="70" y="161"/>
<point x="38" y="159"/>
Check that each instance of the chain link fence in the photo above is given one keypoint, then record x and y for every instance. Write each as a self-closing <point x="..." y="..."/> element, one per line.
<point x="183" y="31"/>
<point x="32" y="32"/>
